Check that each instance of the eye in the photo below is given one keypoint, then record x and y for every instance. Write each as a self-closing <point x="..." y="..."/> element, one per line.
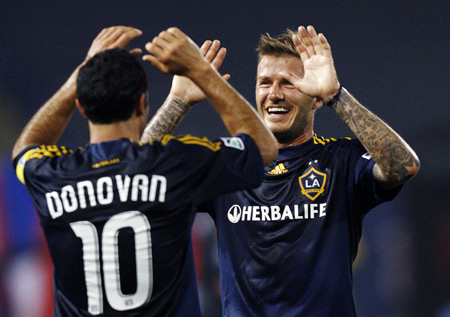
<point x="288" y="84"/>
<point x="263" y="83"/>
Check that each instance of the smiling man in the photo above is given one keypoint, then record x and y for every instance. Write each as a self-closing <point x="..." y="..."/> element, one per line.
<point x="286" y="248"/>
<point x="288" y="113"/>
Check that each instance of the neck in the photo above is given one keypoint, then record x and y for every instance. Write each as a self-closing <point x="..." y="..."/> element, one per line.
<point x="108" y="132"/>
<point x="297" y="141"/>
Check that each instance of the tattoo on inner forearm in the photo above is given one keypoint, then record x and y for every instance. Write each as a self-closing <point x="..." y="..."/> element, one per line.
<point x="388" y="150"/>
<point x="166" y="119"/>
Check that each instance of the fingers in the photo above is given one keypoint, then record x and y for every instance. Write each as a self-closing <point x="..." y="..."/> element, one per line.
<point x="176" y="51"/>
<point x="326" y="48"/>
<point x="155" y="62"/>
<point x="293" y="78"/>
<point x="205" y="47"/>
<point x="162" y="43"/>
<point x="216" y="54"/>
<point x="118" y="36"/>
<point x="163" y="39"/>
<point x="176" y="32"/>
<point x="136" y="51"/>
<point x="309" y="43"/>
<point x="218" y="60"/>
<point x="126" y="36"/>
<point x="212" y="51"/>
<point x="304" y="55"/>
<point x="306" y="41"/>
<point x="112" y="37"/>
<point x="153" y="49"/>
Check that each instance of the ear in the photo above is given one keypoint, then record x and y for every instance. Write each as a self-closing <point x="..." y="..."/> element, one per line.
<point x="141" y="104"/>
<point x="80" y="108"/>
<point x="316" y="103"/>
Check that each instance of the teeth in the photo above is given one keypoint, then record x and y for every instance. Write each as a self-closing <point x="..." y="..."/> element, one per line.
<point x="277" y="109"/>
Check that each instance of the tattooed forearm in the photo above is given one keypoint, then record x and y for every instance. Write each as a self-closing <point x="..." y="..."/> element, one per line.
<point x="396" y="161"/>
<point x="166" y="119"/>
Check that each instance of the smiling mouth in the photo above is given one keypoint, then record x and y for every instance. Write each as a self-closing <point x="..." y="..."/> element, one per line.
<point x="277" y="110"/>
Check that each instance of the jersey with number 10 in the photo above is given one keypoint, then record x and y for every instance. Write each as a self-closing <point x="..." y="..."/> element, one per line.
<point x="117" y="218"/>
<point x="286" y="248"/>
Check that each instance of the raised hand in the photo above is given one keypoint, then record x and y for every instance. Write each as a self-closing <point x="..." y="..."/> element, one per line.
<point x="184" y="89"/>
<point x="174" y="52"/>
<point x="112" y="37"/>
<point x="320" y="78"/>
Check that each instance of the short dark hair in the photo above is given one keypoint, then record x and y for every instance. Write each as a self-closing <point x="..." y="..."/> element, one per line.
<point x="109" y="86"/>
<point x="279" y="45"/>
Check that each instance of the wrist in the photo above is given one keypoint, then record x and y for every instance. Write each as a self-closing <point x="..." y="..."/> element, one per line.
<point x="201" y="74"/>
<point x="180" y="98"/>
<point x="334" y="98"/>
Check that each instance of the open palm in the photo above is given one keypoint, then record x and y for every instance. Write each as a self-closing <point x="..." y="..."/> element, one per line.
<point x="320" y="78"/>
<point x="183" y="88"/>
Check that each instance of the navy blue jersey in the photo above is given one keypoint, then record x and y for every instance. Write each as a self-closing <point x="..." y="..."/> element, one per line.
<point x="286" y="248"/>
<point x="117" y="218"/>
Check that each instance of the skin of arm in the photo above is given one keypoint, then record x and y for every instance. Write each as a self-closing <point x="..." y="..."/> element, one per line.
<point x="395" y="161"/>
<point x="50" y="121"/>
<point x="173" y="52"/>
<point x="182" y="96"/>
<point x="166" y="119"/>
<point x="47" y="125"/>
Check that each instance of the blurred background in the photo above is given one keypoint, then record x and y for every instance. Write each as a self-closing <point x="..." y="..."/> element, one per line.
<point x="392" y="55"/>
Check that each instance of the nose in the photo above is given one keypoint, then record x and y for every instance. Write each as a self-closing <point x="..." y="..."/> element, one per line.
<point x="275" y="93"/>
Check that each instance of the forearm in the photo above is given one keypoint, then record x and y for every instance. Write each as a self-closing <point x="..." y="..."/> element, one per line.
<point x="48" y="124"/>
<point x="236" y="113"/>
<point x="166" y="119"/>
<point x="395" y="161"/>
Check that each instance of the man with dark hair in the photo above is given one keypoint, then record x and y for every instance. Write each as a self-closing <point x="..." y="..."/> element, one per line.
<point x="107" y="92"/>
<point x="117" y="213"/>
<point x="286" y="248"/>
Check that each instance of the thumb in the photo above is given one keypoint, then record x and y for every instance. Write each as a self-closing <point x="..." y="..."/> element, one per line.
<point x="304" y="85"/>
<point x="293" y="79"/>
<point x="155" y="62"/>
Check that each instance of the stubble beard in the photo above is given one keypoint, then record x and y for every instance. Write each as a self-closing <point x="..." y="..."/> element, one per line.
<point x="290" y="134"/>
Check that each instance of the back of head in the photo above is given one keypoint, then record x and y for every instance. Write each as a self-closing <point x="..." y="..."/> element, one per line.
<point x="109" y="86"/>
<point x="277" y="46"/>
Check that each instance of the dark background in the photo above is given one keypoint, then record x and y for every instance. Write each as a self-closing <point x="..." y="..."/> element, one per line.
<point x="393" y="56"/>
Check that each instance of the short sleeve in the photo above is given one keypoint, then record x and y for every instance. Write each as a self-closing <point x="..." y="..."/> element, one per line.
<point x="368" y="192"/>
<point x="234" y="164"/>
<point x="20" y="161"/>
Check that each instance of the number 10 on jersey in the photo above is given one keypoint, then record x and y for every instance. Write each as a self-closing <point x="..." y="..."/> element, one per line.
<point x="88" y="234"/>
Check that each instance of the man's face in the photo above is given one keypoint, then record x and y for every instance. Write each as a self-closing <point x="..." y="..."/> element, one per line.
<point x="287" y="112"/>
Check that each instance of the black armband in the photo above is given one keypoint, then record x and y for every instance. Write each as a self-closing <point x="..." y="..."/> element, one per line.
<point x="333" y="100"/>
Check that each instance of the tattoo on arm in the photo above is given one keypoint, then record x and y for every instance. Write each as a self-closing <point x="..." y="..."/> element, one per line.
<point x="396" y="161"/>
<point x="166" y="119"/>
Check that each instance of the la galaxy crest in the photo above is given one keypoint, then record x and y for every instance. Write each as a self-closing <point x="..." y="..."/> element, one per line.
<point x="312" y="183"/>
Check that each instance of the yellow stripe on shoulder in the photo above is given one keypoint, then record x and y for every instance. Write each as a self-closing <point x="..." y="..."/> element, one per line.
<point x="189" y="139"/>
<point x="321" y="140"/>
<point x="47" y="151"/>
<point x="38" y="153"/>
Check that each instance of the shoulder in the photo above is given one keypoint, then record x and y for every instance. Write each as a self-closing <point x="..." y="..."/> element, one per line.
<point x="339" y="144"/>
<point x="37" y="155"/>
<point x="334" y="141"/>
<point x="44" y="151"/>
<point x="168" y="139"/>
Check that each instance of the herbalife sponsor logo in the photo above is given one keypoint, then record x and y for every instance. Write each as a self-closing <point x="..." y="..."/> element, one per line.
<point x="234" y="213"/>
<point x="237" y="213"/>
